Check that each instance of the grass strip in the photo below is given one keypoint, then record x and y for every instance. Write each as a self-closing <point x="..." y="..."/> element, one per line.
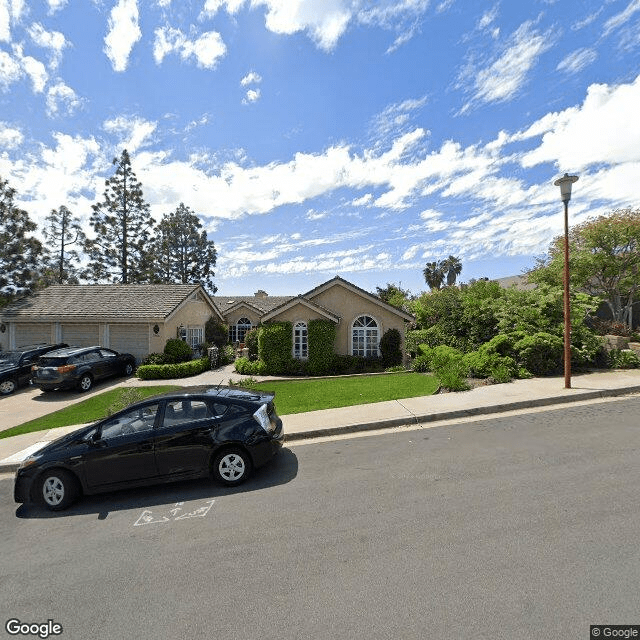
<point x="299" y="396"/>
<point x="88" y="410"/>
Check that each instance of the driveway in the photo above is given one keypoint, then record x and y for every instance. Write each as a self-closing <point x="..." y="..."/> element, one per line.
<point x="28" y="403"/>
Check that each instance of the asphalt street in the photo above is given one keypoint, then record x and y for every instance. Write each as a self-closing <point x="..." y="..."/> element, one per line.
<point x="514" y="527"/>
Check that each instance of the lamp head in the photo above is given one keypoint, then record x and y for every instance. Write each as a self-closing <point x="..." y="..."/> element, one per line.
<point x="565" y="186"/>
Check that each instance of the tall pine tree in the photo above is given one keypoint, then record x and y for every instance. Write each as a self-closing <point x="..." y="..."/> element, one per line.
<point x="64" y="236"/>
<point x="122" y="223"/>
<point x="21" y="254"/>
<point x="181" y="250"/>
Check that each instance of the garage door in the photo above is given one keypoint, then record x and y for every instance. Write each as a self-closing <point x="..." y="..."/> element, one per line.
<point x="80" y="335"/>
<point x="33" y="333"/>
<point x="132" y="339"/>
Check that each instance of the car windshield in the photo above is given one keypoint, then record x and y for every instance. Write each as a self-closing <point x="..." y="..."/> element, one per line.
<point x="10" y="357"/>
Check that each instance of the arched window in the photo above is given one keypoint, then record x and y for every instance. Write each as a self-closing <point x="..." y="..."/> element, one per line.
<point x="238" y="330"/>
<point x="365" y="337"/>
<point x="300" y="341"/>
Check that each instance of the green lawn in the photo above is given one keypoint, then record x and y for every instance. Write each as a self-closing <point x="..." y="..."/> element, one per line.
<point x="292" y="396"/>
<point x="298" y="396"/>
<point x="88" y="410"/>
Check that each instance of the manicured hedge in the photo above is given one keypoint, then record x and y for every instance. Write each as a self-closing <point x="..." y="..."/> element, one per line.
<point x="170" y="371"/>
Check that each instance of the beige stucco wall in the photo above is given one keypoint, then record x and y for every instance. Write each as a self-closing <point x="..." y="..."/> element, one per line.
<point x="192" y="314"/>
<point x="349" y="306"/>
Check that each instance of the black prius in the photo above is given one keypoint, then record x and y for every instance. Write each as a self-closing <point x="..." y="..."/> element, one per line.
<point x="223" y="432"/>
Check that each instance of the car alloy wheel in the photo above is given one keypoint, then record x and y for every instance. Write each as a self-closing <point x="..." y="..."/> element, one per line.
<point x="128" y="369"/>
<point x="232" y="466"/>
<point x="7" y="387"/>
<point x="57" y="489"/>
<point x="86" y="382"/>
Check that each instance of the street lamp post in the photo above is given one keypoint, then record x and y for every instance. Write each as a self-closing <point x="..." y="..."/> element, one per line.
<point x="565" y="192"/>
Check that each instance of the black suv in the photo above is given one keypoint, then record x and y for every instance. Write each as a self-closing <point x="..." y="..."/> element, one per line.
<point x="15" y="366"/>
<point x="80" y="367"/>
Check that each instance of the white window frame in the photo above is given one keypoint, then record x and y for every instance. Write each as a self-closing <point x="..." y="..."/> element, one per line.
<point x="300" y="340"/>
<point x="243" y="324"/>
<point x="365" y="336"/>
<point x="195" y="337"/>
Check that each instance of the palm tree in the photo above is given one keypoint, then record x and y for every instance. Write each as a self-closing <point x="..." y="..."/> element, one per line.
<point x="434" y="275"/>
<point x="451" y="267"/>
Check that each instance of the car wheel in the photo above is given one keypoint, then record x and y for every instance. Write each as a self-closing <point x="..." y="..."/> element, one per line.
<point x="232" y="466"/>
<point x="128" y="369"/>
<point x="58" y="489"/>
<point x="86" y="382"/>
<point x="7" y="387"/>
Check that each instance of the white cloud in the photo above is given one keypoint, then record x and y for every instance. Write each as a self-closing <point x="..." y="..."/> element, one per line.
<point x="504" y="77"/>
<point x="207" y="49"/>
<point x="36" y="71"/>
<point x="56" y="5"/>
<point x="123" y="34"/>
<point x="252" y="95"/>
<point x="52" y="40"/>
<point x="622" y="17"/>
<point x="5" y="22"/>
<point x="62" y="100"/>
<point x="133" y="133"/>
<point x="604" y="129"/>
<point x="10" y="138"/>
<point x="577" y="60"/>
<point x="10" y="70"/>
<point x="251" y="78"/>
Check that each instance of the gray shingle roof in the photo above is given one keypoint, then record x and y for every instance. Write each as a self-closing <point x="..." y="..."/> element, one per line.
<point x="263" y="305"/>
<point x="126" y="301"/>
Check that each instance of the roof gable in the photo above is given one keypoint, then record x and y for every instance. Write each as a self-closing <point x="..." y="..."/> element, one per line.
<point x="337" y="281"/>
<point x="301" y="301"/>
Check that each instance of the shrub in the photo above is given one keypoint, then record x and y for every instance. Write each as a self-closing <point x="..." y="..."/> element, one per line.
<point x="540" y="354"/>
<point x="414" y="339"/>
<point x="623" y="359"/>
<point x="421" y="364"/>
<point x="174" y="370"/>
<point x="275" y="346"/>
<point x="226" y="356"/>
<point x="452" y="375"/>
<point x="502" y="373"/>
<point x="247" y="367"/>
<point x="321" y="335"/>
<point x="483" y="364"/>
<point x="155" y="358"/>
<point x="391" y="348"/>
<point x="216" y="332"/>
<point x="177" y="351"/>
<point x="251" y="343"/>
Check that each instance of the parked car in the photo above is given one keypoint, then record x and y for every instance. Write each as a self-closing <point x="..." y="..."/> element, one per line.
<point x="80" y="367"/>
<point x="188" y="433"/>
<point x="15" y="366"/>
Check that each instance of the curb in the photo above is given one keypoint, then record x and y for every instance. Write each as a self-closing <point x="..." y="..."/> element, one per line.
<point x="10" y="467"/>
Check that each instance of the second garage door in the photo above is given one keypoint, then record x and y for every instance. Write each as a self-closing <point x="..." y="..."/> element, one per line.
<point x="81" y="335"/>
<point x="131" y="338"/>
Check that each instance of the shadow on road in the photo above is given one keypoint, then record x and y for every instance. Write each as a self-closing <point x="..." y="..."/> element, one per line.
<point x="280" y="470"/>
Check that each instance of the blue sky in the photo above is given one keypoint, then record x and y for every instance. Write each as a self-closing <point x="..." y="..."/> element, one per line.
<point x="330" y="137"/>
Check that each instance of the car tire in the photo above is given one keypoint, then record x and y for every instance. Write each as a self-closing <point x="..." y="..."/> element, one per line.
<point x="128" y="369"/>
<point x="85" y="383"/>
<point x="232" y="467"/>
<point x="7" y="387"/>
<point x="57" y="489"/>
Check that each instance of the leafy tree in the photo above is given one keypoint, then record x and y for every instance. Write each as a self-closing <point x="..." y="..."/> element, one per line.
<point x="451" y="267"/>
<point x="183" y="253"/>
<point x="394" y="295"/>
<point x="604" y="260"/>
<point x="21" y="254"/>
<point x="62" y="231"/>
<point x="434" y="275"/>
<point x="122" y="224"/>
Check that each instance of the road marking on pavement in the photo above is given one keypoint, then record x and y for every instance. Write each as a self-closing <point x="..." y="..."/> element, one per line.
<point x="148" y="517"/>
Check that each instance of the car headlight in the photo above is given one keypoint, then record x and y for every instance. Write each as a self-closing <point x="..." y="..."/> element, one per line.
<point x="27" y="462"/>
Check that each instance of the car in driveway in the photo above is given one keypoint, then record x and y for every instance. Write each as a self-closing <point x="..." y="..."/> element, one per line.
<point x="80" y="367"/>
<point x="193" y="432"/>
<point x="15" y="366"/>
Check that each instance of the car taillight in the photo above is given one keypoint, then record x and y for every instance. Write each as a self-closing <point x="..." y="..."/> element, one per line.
<point x="66" y="368"/>
<point x="34" y="367"/>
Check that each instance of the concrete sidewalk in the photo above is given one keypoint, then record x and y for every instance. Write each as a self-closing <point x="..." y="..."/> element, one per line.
<point x="484" y="400"/>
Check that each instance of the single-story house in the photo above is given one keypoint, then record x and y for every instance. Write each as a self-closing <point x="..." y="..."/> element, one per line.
<point x="134" y="318"/>
<point x="139" y="318"/>
<point x="361" y="317"/>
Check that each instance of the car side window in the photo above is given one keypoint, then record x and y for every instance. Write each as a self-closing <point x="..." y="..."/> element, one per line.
<point x="107" y="354"/>
<point x="92" y="356"/>
<point x="137" y="420"/>
<point x="218" y="409"/>
<point x="183" y="411"/>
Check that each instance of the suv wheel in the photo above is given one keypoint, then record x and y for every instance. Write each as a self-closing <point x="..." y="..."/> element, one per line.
<point x="7" y="387"/>
<point x="128" y="369"/>
<point x="86" y="382"/>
